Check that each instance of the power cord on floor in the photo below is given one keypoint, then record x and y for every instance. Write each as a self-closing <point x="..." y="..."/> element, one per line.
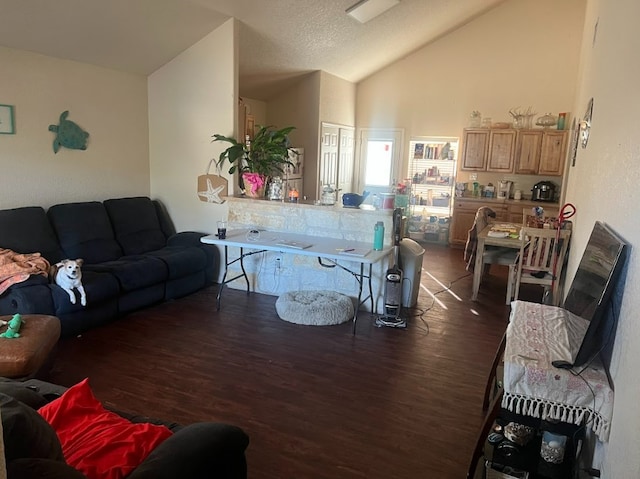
<point x="419" y="313"/>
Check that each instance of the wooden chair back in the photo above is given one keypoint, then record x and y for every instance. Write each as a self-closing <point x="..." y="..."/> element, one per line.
<point x="541" y="260"/>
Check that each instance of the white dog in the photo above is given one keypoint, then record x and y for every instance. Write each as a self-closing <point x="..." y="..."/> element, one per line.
<point x="67" y="275"/>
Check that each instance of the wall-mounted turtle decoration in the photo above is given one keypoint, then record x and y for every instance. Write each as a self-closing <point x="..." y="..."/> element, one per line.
<point x="68" y="134"/>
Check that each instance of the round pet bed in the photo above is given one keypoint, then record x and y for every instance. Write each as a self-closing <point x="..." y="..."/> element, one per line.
<point x="316" y="308"/>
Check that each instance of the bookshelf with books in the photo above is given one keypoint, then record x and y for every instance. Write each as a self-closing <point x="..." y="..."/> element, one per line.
<point x="432" y="169"/>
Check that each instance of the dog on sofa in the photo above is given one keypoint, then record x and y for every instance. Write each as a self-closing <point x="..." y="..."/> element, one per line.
<point x="68" y="275"/>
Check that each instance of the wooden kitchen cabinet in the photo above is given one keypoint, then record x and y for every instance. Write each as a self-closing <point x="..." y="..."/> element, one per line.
<point x="474" y="149"/>
<point x="553" y="152"/>
<point x="500" y="155"/>
<point x="523" y="152"/>
<point x="528" y="149"/>
<point x="464" y="214"/>
<point x="541" y="152"/>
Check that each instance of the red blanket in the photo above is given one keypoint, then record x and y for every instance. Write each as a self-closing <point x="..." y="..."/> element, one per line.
<point x="17" y="267"/>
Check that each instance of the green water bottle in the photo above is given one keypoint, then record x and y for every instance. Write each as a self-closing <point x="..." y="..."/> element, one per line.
<point x="378" y="236"/>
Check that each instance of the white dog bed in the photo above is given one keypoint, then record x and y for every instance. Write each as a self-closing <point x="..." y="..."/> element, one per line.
<point x="316" y="308"/>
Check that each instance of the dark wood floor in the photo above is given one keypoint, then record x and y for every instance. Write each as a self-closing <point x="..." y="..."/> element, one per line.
<point x="317" y="402"/>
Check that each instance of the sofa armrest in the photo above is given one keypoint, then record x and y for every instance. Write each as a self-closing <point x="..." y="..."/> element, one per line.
<point x="199" y="450"/>
<point x="29" y="297"/>
<point x="185" y="238"/>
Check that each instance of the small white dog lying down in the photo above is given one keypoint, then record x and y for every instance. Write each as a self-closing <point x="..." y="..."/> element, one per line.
<point x="68" y="275"/>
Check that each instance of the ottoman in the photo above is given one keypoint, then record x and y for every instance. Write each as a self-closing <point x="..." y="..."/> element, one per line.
<point x="24" y="356"/>
<point x="316" y="308"/>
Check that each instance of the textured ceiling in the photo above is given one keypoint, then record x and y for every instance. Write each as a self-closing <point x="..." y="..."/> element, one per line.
<point x="280" y="40"/>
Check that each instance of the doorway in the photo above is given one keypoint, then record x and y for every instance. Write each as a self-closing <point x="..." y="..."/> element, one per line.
<point x="380" y="159"/>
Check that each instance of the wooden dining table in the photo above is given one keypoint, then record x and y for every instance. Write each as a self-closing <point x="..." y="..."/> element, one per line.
<point x="487" y="237"/>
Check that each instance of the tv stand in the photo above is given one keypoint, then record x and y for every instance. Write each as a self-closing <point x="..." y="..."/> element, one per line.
<point x="537" y="394"/>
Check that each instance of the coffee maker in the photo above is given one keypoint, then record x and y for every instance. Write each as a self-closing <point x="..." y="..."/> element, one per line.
<point x="504" y="189"/>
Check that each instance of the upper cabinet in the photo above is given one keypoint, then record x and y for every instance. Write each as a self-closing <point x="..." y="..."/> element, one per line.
<point x="553" y="152"/>
<point x="526" y="152"/>
<point x="502" y="144"/>
<point x="475" y="147"/>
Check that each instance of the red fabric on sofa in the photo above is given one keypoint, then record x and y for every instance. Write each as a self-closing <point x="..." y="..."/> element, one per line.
<point x="97" y="442"/>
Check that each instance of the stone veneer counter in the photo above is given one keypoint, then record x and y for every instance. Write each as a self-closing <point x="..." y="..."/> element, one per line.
<point x="275" y="273"/>
<point x="303" y="218"/>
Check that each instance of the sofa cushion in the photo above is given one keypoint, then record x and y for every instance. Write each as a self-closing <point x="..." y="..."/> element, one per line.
<point x="27" y="230"/>
<point x="42" y="469"/>
<point x="99" y="287"/>
<point x="133" y="272"/>
<point x="136" y="224"/>
<point x="20" y="391"/>
<point x="25" y="433"/>
<point x="99" y="443"/>
<point x="181" y="261"/>
<point x="84" y="231"/>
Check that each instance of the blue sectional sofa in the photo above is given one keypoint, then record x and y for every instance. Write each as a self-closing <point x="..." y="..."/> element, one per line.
<point x="132" y="255"/>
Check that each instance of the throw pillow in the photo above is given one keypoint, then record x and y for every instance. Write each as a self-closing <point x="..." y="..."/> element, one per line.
<point x="97" y="442"/>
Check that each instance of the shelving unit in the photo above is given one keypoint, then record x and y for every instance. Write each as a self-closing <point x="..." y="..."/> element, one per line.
<point x="432" y="169"/>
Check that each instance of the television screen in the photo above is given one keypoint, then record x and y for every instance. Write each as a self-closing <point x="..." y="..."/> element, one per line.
<point x="590" y="292"/>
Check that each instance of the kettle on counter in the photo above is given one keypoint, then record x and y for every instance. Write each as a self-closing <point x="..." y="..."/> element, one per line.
<point x="543" y="191"/>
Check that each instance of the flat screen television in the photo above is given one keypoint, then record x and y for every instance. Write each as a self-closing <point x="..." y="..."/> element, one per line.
<point x="589" y="296"/>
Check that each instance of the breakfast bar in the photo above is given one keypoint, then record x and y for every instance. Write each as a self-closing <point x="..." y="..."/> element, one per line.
<point x="275" y="273"/>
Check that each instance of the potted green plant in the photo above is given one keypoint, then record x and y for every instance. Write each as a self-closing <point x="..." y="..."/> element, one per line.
<point x="257" y="160"/>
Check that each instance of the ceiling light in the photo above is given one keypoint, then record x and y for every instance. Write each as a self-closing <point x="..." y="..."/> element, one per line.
<point x="365" y="10"/>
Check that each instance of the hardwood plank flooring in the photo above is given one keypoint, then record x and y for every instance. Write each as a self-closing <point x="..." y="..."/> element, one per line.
<point x="317" y="402"/>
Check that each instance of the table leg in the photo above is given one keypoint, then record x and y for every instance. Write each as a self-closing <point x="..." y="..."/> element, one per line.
<point x="477" y="269"/>
<point x="224" y="278"/>
<point x="227" y="263"/>
<point x="355" y="313"/>
<point x="244" y="273"/>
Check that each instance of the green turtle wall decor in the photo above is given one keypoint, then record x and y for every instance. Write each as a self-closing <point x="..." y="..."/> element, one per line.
<point x="68" y="134"/>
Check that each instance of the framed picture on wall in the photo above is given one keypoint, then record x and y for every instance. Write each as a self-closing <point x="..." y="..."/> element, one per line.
<point x="7" y="125"/>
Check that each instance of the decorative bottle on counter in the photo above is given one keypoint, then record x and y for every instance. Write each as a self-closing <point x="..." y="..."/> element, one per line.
<point x="378" y="236"/>
<point x="562" y="117"/>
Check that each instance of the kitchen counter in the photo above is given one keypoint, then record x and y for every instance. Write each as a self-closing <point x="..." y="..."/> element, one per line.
<point x="524" y="202"/>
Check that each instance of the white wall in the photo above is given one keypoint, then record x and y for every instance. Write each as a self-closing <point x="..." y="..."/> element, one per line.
<point x="519" y="54"/>
<point x="258" y="109"/>
<point x="299" y="106"/>
<point x="111" y="106"/>
<point x="337" y="100"/>
<point x="191" y="98"/>
<point x="604" y="186"/>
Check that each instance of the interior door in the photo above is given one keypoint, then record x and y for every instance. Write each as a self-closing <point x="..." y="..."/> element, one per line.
<point x="328" y="173"/>
<point x="337" y="159"/>
<point x="346" y="162"/>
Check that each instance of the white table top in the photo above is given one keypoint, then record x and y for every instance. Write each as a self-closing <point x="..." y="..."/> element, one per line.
<point x="320" y="246"/>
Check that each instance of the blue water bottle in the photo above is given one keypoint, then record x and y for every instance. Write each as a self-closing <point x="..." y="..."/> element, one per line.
<point x="378" y="236"/>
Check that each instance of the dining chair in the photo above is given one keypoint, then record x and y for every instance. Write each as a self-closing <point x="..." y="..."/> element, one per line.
<point x="492" y="254"/>
<point x="541" y="260"/>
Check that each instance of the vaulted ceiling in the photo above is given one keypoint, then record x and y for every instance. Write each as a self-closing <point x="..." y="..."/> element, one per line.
<point x="280" y="40"/>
